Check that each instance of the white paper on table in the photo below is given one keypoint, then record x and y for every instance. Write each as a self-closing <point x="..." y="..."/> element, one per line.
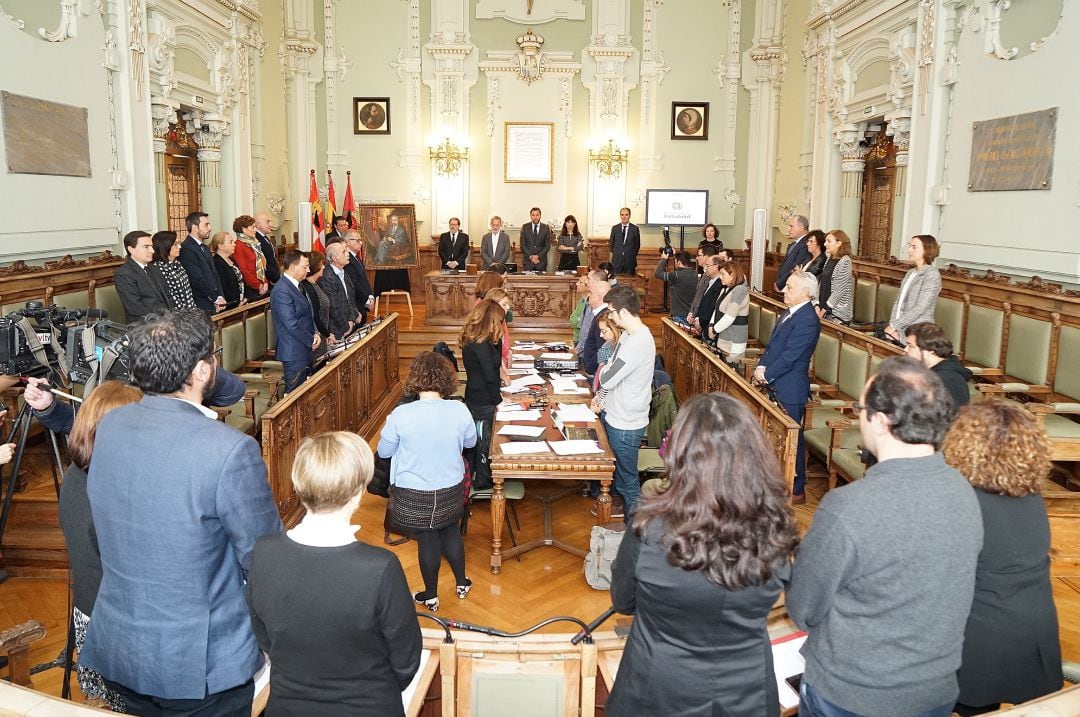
<point x="575" y="448"/>
<point x="787" y="662"/>
<point x="511" y="448"/>
<point x="522" y="371"/>
<point x="573" y="412"/>
<point x="557" y="356"/>
<point x="523" y="364"/>
<point x="514" y="430"/>
<point x="569" y="388"/>
<point x="525" y="345"/>
<point x="521" y="357"/>
<point x="571" y="377"/>
<point x="512" y="416"/>
<point x="510" y="406"/>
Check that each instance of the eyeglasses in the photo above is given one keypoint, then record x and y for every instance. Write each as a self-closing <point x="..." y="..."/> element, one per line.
<point x="858" y="407"/>
<point x="216" y="355"/>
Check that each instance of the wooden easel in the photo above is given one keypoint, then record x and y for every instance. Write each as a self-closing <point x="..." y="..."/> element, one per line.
<point x="388" y="294"/>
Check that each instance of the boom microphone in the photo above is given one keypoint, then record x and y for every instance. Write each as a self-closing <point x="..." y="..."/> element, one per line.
<point x="588" y="629"/>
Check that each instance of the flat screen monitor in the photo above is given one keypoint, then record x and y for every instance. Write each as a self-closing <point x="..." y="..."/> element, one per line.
<point x="677" y="207"/>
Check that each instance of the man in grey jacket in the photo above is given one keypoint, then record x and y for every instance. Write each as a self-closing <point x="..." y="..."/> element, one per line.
<point x="884" y="579"/>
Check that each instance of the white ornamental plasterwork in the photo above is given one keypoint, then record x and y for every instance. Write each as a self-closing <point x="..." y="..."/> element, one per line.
<point x="732" y="197"/>
<point x="407" y="64"/>
<point x="1041" y="43"/>
<point x="530" y="57"/>
<point x="653" y="66"/>
<point x="566" y="105"/>
<point x="993" y="46"/>
<point x="494" y="92"/>
<point x="900" y="130"/>
<point x="902" y="74"/>
<point x="162" y="52"/>
<point x="449" y="52"/>
<point x="112" y="68"/>
<point x="209" y="132"/>
<point x="19" y="24"/>
<point x="530" y="12"/>
<point x="136" y="13"/>
<point x="67" y="26"/>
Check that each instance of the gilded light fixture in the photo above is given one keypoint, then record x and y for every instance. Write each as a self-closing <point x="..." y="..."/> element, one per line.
<point x="448" y="157"/>
<point x="609" y="159"/>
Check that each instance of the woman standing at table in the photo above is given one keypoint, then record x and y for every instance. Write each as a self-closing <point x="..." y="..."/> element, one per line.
<point x="700" y="566"/>
<point x="710" y="237"/>
<point x="481" y="352"/>
<point x="425" y="438"/>
<point x="570" y="242"/>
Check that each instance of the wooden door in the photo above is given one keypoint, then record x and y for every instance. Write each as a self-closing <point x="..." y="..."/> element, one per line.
<point x="879" y="186"/>
<point x="181" y="190"/>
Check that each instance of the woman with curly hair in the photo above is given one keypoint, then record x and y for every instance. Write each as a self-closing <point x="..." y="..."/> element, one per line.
<point x="1011" y="649"/>
<point x="249" y="257"/>
<point x="700" y="566"/>
<point x="425" y="438"/>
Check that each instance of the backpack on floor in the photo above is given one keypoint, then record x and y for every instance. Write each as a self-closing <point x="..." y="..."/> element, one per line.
<point x="603" y="547"/>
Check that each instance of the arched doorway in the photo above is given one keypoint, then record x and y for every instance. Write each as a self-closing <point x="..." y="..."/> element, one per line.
<point x="181" y="176"/>
<point x="879" y="191"/>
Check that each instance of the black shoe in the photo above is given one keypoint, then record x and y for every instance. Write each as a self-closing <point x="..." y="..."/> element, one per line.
<point x="463" y="590"/>
<point x="431" y="603"/>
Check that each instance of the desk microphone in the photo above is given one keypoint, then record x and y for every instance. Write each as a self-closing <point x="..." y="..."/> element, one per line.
<point x="588" y="629"/>
<point x="460" y="625"/>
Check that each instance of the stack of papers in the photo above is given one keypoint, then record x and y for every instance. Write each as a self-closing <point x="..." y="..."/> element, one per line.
<point x="521" y="357"/>
<point x="557" y="356"/>
<point x="573" y="412"/>
<point x="522" y="383"/>
<point x="575" y="448"/>
<point x="523" y="447"/>
<point x="568" y="386"/>
<point x="525" y="346"/>
<point x="516" y="416"/>
<point x="526" y="431"/>
<point x="523" y="364"/>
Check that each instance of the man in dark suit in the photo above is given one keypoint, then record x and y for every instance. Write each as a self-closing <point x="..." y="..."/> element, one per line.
<point x="797" y="252"/>
<point x="269" y="249"/>
<point x="494" y="246"/>
<point x="340" y="290"/>
<point x="535" y="242"/>
<point x="599" y="286"/>
<point x="454" y="246"/>
<point x="785" y="365"/>
<point x="179" y="500"/>
<point x="199" y="264"/>
<point x="294" y="322"/>
<point x="363" y="298"/>
<point x="625" y="242"/>
<point x="141" y="291"/>
<point x="713" y="287"/>
<point x="341" y="225"/>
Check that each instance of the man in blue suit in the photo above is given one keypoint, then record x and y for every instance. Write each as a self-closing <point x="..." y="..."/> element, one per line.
<point x="785" y="365"/>
<point x="179" y="500"/>
<point x="797" y="251"/>
<point x="199" y="265"/>
<point x="294" y="321"/>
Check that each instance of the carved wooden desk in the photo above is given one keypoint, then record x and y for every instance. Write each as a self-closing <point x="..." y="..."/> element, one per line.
<point x="538" y="300"/>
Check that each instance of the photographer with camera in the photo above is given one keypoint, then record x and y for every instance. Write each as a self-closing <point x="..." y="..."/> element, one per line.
<point x="682" y="281"/>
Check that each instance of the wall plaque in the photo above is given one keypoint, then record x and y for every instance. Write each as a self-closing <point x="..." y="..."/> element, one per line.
<point x="1013" y="153"/>
<point x="42" y="137"/>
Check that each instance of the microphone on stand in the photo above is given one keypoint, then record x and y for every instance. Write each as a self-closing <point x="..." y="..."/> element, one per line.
<point x="586" y="632"/>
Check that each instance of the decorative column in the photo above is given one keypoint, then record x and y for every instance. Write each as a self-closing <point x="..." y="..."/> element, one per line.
<point x="297" y="53"/>
<point x="449" y="76"/>
<point x="407" y="66"/>
<point x="209" y="130"/>
<point x="766" y="62"/>
<point x="652" y="73"/>
<point x="610" y="47"/>
<point x="852" y="166"/>
<point x="900" y="129"/>
<point x="162" y="118"/>
<point x="336" y="65"/>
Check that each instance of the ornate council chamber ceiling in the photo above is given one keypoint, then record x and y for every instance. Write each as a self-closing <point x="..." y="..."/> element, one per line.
<point x="531" y="12"/>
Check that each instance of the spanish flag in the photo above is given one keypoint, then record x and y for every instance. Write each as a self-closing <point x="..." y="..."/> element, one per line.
<point x="331" y="208"/>
<point x="317" y="224"/>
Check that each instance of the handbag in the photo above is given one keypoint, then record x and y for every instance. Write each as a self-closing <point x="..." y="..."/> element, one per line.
<point x="603" y="547"/>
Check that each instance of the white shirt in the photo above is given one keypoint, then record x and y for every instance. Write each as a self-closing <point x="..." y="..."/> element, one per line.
<point x="340" y="273"/>
<point x="323" y="531"/>
<point x="209" y="413"/>
<point x="794" y="308"/>
<point x="295" y="282"/>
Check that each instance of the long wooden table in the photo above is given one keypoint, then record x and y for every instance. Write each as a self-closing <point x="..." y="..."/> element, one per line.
<point x="547" y="466"/>
<point x="353" y="392"/>
<point x="695" y="369"/>
<point x="539" y="300"/>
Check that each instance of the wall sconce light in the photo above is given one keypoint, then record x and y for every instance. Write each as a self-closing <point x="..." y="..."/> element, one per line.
<point x="609" y="159"/>
<point x="447" y="156"/>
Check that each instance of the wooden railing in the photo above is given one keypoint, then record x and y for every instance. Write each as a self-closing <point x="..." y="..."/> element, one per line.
<point x="694" y="369"/>
<point x="353" y="392"/>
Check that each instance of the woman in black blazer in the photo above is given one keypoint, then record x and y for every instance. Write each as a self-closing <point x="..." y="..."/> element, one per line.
<point x="334" y="614"/>
<point x="700" y="566"/>
<point x="1011" y="647"/>
<point x="320" y="302"/>
<point x="481" y="352"/>
<point x="223" y="245"/>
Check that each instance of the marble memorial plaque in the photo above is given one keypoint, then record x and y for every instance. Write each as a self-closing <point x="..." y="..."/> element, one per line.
<point x="43" y="137"/>
<point x="1013" y="153"/>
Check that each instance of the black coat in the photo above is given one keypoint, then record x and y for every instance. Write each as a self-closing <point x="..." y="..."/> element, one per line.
<point x="955" y="376"/>
<point x="1011" y="648"/>
<point x="231" y="288"/>
<point x="142" y="291"/>
<point x="482" y="381"/>
<point x="695" y="648"/>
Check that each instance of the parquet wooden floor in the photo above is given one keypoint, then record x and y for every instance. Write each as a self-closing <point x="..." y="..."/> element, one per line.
<point x="544" y="583"/>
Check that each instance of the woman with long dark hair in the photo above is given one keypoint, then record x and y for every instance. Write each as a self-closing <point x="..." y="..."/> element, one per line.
<point x="481" y="353"/>
<point x="700" y="566"/>
<point x="166" y="263"/>
<point x="425" y="438"/>
<point x="570" y="243"/>
<point x="1011" y="648"/>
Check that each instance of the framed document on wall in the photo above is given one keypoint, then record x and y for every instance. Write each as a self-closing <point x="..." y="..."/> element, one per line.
<point x="528" y="152"/>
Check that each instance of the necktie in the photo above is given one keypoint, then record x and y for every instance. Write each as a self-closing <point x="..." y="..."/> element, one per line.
<point x="624" y="234"/>
<point x="536" y="229"/>
<point x="453" y="238"/>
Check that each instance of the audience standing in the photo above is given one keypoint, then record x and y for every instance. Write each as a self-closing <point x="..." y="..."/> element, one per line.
<point x="598" y="289"/>
<point x="570" y="244"/>
<point x="494" y="246"/>
<point x="332" y="613"/>
<point x="682" y="283"/>
<point x="834" y="302"/>
<point x="249" y="257"/>
<point x="199" y="264"/>
<point x="77" y="523"/>
<point x="702" y="313"/>
<point x="535" y="242"/>
<point x="626" y="381"/>
<point x="785" y="365"/>
<point x="296" y="336"/>
<point x="141" y="290"/>
<point x="426" y="438"/>
<point x="1011" y="648"/>
<point x="710" y="237"/>
<point x="269" y="249"/>
<point x="577" y="316"/>
<point x="928" y="344"/>
<point x="625" y="242"/>
<point x="729" y="324"/>
<point x="919" y="290"/>
<point x="797" y="252"/>
<point x="454" y="247"/>
<point x="815" y="244"/>
<point x="231" y="279"/>
<point x="167" y="265"/>
<point x="175" y="530"/>
<point x="320" y="302"/>
<point x="884" y="578"/>
<point x="340" y="289"/>
<point x="700" y="567"/>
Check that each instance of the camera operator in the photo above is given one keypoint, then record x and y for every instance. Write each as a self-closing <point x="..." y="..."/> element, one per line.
<point x="58" y="416"/>
<point x="683" y="281"/>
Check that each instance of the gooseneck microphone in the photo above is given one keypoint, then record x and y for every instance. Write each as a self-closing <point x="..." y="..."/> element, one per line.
<point x="586" y="632"/>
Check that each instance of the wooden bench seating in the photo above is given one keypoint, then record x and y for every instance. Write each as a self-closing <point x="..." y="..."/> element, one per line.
<point x="245" y="335"/>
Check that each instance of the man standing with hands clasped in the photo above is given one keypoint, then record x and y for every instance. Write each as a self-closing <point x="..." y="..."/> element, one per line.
<point x="294" y="322"/>
<point x="535" y="242"/>
<point x="625" y="242"/>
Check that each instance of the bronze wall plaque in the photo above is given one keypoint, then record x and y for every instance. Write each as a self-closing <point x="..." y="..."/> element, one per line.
<point x="42" y="137"/>
<point x="1013" y="153"/>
